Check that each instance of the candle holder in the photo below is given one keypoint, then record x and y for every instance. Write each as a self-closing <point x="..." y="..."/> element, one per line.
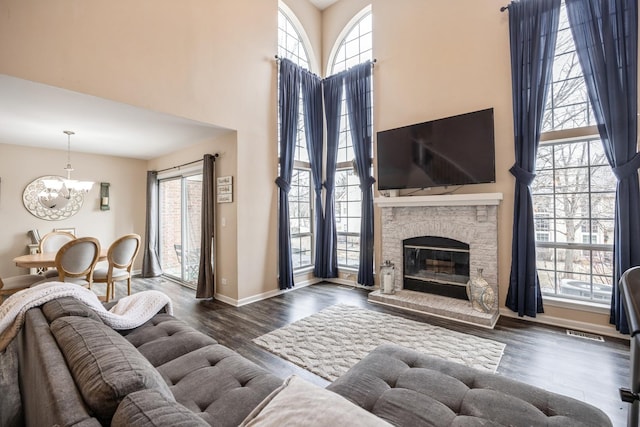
<point x="104" y="196"/>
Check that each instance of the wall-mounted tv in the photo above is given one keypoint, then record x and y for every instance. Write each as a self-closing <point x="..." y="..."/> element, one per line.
<point x="455" y="150"/>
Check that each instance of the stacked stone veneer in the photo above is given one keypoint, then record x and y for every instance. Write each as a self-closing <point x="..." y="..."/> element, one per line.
<point x="475" y="225"/>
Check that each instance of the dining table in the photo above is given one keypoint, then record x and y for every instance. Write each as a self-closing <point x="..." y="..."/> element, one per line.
<point x="46" y="259"/>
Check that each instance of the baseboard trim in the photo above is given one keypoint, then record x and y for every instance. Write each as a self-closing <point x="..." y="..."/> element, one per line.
<point x="265" y="295"/>
<point x="609" y="331"/>
<point x="347" y="282"/>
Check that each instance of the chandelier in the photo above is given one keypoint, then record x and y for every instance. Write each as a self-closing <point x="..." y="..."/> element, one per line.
<point x="60" y="189"/>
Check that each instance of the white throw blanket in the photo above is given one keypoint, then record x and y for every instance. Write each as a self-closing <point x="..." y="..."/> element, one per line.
<point x="128" y="313"/>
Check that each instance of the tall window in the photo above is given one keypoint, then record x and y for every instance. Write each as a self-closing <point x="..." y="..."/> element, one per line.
<point x="291" y="46"/>
<point x="574" y="189"/>
<point x="355" y="48"/>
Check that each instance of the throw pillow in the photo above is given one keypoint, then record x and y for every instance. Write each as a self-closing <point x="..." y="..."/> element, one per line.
<point x="300" y="403"/>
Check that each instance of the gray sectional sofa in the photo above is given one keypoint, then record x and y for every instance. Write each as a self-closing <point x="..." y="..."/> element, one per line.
<point x="73" y="370"/>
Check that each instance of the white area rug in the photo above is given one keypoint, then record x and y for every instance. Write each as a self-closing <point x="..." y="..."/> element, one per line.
<point x="331" y="341"/>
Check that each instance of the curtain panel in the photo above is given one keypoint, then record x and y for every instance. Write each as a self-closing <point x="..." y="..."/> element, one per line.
<point x="358" y="96"/>
<point x="205" y="287"/>
<point x="332" y="88"/>
<point x="311" y="86"/>
<point x="533" y="25"/>
<point x="289" y="95"/>
<point x="606" y="37"/>
<point x="150" y="260"/>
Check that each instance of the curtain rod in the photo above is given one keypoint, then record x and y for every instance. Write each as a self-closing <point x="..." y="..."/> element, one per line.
<point x="187" y="164"/>
<point x="373" y="61"/>
<point x="503" y="8"/>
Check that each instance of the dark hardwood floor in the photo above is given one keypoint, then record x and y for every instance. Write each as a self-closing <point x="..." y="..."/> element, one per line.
<point x="536" y="354"/>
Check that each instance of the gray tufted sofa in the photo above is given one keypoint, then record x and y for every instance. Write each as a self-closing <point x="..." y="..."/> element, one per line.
<point x="435" y="392"/>
<point x="73" y="370"/>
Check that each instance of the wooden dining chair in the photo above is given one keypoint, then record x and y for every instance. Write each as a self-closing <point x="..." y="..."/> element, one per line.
<point x="121" y="255"/>
<point x="52" y="242"/>
<point x="11" y="285"/>
<point x="76" y="260"/>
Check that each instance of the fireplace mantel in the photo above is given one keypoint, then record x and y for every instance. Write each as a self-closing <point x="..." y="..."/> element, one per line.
<point x="477" y="199"/>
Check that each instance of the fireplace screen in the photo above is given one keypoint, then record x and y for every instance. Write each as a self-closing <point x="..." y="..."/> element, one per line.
<point x="436" y="265"/>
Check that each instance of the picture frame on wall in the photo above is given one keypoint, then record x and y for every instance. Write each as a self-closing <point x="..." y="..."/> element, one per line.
<point x="71" y="230"/>
<point x="225" y="189"/>
<point x="225" y="198"/>
<point x="224" y="180"/>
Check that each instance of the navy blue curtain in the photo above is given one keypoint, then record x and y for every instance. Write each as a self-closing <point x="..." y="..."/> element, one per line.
<point x="533" y="25"/>
<point x="288" y="108"/>
<point x="332" y="89"/>
<point x="312" y="101"/>
<point x="205" y="288"/>
<point x="357" y="82"/>
<point x="606" y="37"/>
<point x="150" y="262"/>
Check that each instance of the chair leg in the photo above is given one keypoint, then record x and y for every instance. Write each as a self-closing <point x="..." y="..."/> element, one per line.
<point x="129" y="286"/>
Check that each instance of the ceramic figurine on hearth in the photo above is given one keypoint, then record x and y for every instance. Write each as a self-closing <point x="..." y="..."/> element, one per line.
<point x="481" y="295"/>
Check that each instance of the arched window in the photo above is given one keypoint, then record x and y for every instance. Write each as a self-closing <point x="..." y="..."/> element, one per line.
<point x="355" y="46"/>
<point x="291" y="45"/>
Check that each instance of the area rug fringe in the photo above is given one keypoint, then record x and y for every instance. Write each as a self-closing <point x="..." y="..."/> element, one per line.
<point x="331" y="341"/>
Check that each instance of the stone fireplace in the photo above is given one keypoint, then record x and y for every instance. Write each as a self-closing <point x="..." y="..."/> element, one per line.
<point x="436" y="243"/>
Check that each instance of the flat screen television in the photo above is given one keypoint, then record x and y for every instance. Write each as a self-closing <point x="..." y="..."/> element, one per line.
<point x="455" y="150"/>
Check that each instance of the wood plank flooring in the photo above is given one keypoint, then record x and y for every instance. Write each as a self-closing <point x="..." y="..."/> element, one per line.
<point x="539" y="355"/>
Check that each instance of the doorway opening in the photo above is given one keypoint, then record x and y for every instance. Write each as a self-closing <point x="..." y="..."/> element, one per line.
<point x="180" y="224"/>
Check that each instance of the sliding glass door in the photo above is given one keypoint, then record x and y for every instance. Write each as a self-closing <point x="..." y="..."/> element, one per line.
<point x="180" y="222"/>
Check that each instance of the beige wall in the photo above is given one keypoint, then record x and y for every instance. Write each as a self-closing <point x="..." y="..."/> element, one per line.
<point x="213" y="62"/>
<point x="208" y="61"/>
<point x="21" y="165"/>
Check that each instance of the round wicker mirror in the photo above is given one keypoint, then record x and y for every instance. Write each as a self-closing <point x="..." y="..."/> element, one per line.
<point x="53" y="205"/>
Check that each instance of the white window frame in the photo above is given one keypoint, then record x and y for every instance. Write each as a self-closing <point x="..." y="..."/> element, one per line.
<point x="548" y="251"/>
<point x="301" y="161"/>
<point x="344" y="164"/>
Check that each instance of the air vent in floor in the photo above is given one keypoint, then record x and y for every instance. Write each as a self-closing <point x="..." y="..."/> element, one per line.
<point x="585" y="335"/>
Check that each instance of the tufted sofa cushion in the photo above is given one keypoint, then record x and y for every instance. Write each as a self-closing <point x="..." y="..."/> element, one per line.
<point x="234" y="385"/>
<point x="164" y="338"/>
<point x="408" y="388"/>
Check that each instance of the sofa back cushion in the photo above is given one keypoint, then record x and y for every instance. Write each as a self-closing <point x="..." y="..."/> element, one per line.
<point x="104" y="365"/>
<point x="149" y="408"/>
<point x="49" y="393"/>
<point x="67" y="306"/>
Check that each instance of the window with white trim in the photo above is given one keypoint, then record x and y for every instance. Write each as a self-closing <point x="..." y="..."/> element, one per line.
<point x="291" y="46"/>
<point x="574" y="188"/>
<point x="354" y="48"/>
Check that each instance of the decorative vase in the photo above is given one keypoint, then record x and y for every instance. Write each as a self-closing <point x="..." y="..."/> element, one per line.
<point x="480" y="294"/>
<point x="387" y="278"/>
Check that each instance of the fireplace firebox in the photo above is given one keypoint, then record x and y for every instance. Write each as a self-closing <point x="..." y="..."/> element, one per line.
<point x="436" y="265"/>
